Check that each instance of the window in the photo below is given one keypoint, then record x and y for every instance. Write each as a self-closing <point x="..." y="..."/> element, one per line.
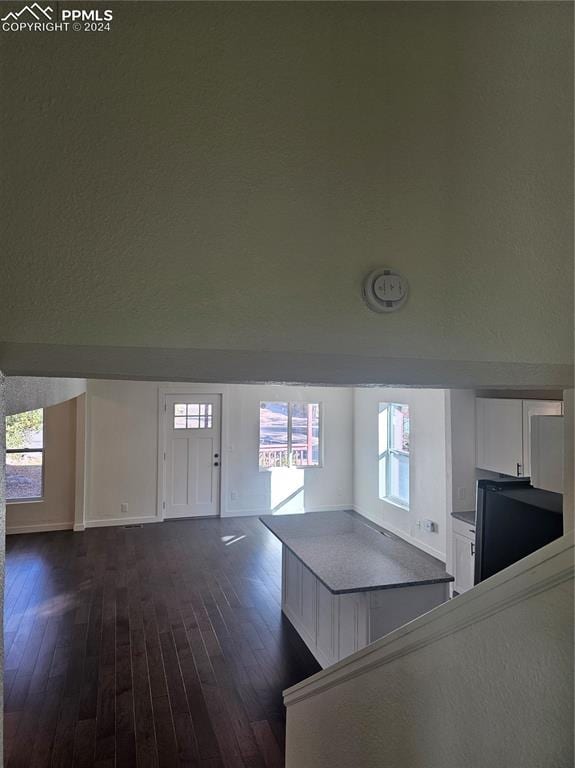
<point x="394" y="453"/>
<point x="193" y="416"/>
<point x="289" y="435"/>
<point x="25" y="455"/>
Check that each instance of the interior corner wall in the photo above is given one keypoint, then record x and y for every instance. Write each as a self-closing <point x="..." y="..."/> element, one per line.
<point x="461" y="452"/>
<point x="462" y="403"/>
<point x="56" y="509"/>
<point x="569" y="461"/>
<point x="122" y="451"/>
<point x="428" y="487"/>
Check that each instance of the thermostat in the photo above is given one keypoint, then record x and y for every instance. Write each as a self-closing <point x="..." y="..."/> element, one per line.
<point x="385" y="290"/>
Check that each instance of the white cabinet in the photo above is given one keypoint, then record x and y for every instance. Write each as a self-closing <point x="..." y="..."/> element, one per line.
<point x="536" y="408"/>
<point x="463" y="555"/>
<point x="464" y="562"/>
<point x="499" y="435"/>
<point x="292" y="585"/>
<point x="325" y="636"/>
<point x="503" y="433"/>
<point x="547" y="453"/>
<point x="335" y="625"/>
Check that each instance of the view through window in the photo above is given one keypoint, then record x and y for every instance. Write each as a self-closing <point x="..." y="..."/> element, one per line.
<point x="289" y="435"/>
<point x="394" y="453"/>
<point x="25" y="455"/>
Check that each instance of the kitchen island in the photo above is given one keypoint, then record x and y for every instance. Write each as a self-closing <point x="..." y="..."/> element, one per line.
<point x="345" y="583"/>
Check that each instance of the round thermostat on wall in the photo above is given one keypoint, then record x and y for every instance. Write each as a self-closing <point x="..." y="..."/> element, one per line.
<point x="385" y="290"/>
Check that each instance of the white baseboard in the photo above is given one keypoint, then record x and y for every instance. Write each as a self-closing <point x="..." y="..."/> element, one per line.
<point x="402" y="535"/>
<point x="120" y="521"/>
<point x="79" y="527"/>
<point x="39" y="528"/>
<point x="257" y="512"/>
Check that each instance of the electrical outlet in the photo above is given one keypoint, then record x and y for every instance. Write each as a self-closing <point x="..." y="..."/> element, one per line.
<point x="234" y="495"/>
<point x="124" y="508"/>
<point x="461" y="494"/>
<point x="429" y="526"/>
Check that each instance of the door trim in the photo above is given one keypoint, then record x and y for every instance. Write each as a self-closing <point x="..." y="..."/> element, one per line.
<point x="186" y="390"/>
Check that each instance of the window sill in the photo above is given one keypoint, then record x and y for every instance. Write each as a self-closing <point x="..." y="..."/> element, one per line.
<point x="395" y="502"/>
<point x="271" y="469"/>
<point x="34" y="500"/>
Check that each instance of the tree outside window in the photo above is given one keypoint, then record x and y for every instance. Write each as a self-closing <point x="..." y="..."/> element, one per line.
<point x="25" y="455"/>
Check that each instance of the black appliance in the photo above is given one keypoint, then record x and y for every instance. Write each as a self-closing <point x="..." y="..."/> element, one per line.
<point x="513" y="519"/>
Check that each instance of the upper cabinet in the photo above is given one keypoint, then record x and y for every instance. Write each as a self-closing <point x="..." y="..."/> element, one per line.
<point x="536" y="408"/>
<point x="503" y="433"/>
<point x="547" y="453"/>
<point x="499" y="435"/>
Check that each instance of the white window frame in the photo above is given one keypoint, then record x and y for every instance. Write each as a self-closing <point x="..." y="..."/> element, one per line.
<point x="31" y="499"/>
<point x="389" y="452"/>
<point x="290" y="404"/>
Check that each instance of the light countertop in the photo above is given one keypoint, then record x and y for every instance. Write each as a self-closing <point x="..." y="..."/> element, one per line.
<point x="465" y="517"/>
<point x="347" y="554"/>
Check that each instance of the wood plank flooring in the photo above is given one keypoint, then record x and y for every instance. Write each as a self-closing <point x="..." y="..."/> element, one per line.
<point x="155" y="646"/>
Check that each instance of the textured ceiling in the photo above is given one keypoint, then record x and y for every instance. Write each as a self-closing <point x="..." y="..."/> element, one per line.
<point x="222" y="175"/>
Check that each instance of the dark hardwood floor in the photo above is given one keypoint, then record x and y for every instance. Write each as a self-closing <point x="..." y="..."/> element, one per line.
<point x="155" y="646"/>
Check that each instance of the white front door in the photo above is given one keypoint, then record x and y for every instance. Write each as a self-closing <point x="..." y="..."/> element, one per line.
<point x="193" y="455"/>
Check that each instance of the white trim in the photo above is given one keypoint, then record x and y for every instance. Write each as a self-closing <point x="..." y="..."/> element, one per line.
<point x="185" y="389"/>
<point x="80" y="464"/>
<point x="331" y="508"/>
<point x="18" y="502"/>
<point x="449" y="489"/>
<point x="39" y="528"/>
<point x="78" y="527"/>
<point x="32" y="499"/>
<point x="161" y="441"/>
<point x="119" y="521"/>
<point x="389" y="498"/>
<point x="395" y="502"/>
<point x="257" y="512"/>
<point x="401" y="534"/>
<point x="540" y="571"/>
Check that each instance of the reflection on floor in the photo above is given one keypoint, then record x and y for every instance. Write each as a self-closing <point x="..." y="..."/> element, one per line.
<point x="155" y="646"/>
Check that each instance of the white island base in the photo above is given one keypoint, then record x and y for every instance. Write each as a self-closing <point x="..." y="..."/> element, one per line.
<point x="335" y="625"/>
